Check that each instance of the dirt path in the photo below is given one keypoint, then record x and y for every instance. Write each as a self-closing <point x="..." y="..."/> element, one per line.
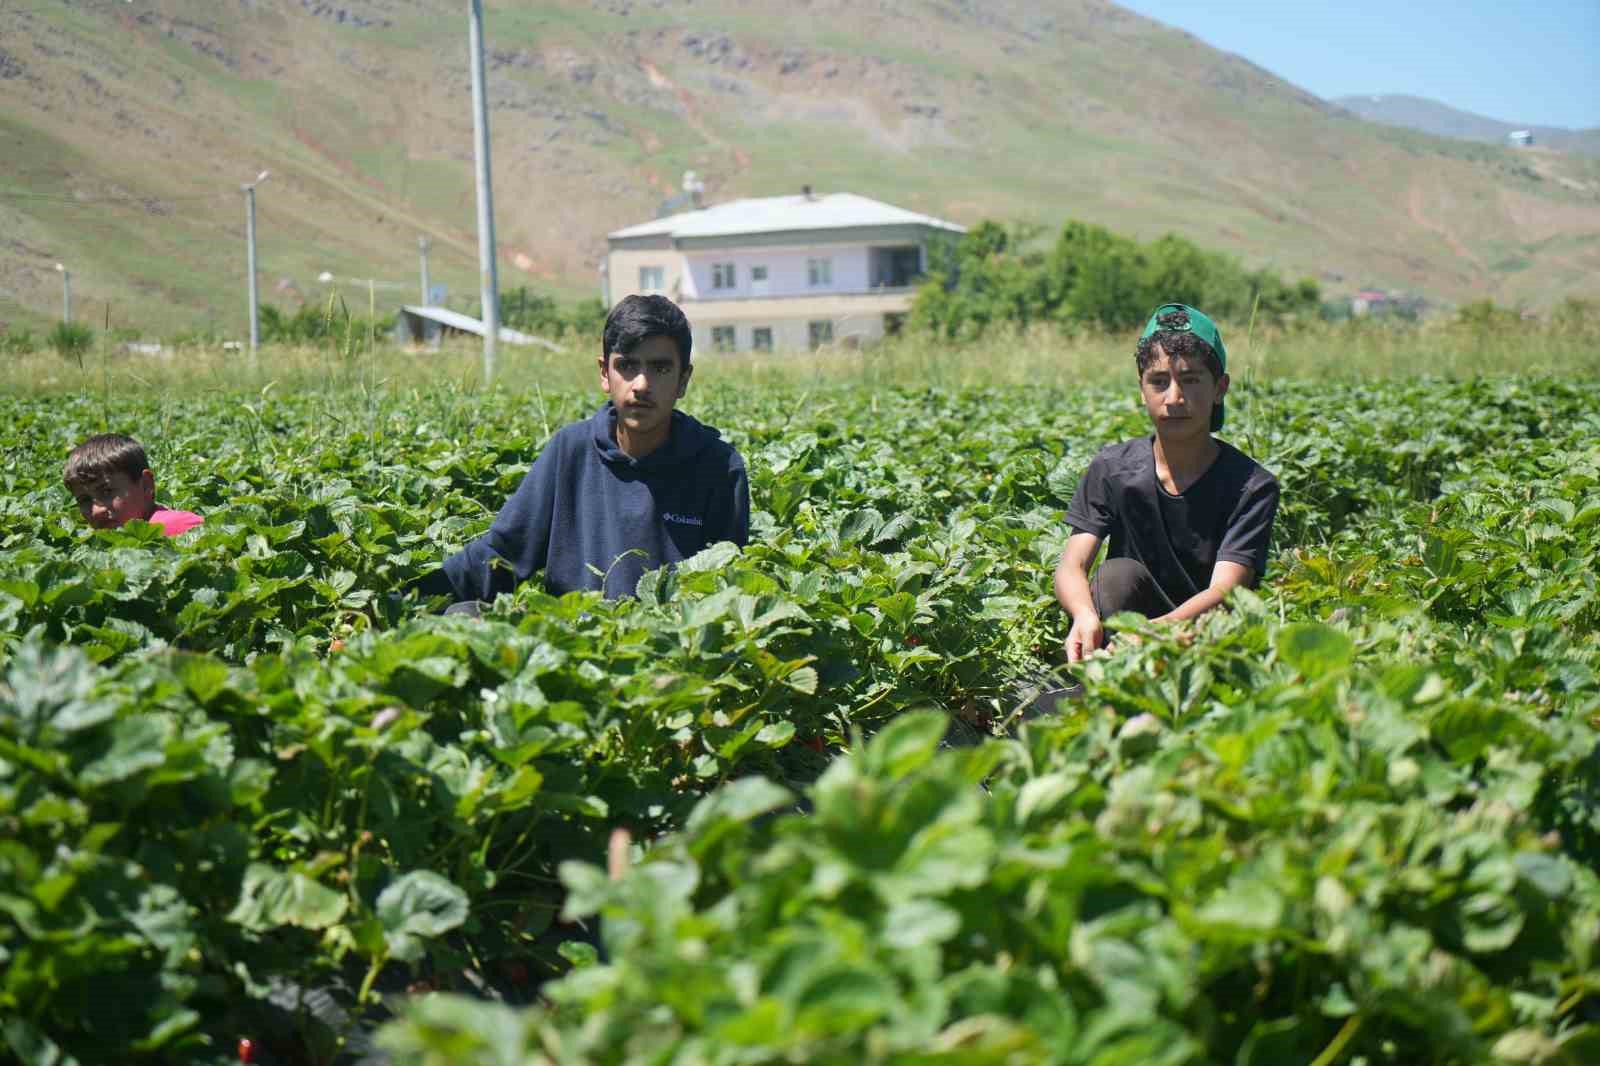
<point x="1414" y="209"/>
<point x="691" y="113"/>
<point x="348" y="179"/>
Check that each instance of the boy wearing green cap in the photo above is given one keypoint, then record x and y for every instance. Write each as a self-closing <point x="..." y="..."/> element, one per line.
<point x="1189" y="516"/>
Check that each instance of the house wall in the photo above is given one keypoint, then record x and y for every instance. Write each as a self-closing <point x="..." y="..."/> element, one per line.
<point x="622" y="271"/>
<point x="856" y="319"/>
<point x="787" y="273"/>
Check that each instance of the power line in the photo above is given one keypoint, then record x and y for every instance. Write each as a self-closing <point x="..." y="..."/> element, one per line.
<point x="124" y="201"/>
<point x="60" y="5"/>
<point x="203" y="233"/>
<point x="18" y="199"/>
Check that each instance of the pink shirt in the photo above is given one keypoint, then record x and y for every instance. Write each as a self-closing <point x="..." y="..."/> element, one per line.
<point x="174" y="522"/>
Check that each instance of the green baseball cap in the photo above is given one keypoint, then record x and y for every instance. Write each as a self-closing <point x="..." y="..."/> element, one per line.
<point x="1200" y="324"/>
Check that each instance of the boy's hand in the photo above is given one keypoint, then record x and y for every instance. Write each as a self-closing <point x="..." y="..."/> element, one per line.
<point x="1085" y="636"/>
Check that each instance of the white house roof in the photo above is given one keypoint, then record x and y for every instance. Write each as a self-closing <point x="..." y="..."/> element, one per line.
<point x="783" y="214"/>
<point x="467" y="324"/>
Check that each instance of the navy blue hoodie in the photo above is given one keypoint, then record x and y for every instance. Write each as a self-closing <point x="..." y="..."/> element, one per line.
<point x="586" y="502"/>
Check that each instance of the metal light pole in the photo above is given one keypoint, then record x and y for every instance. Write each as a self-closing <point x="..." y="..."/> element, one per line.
<point x="66" y="293"/>
<point x="488" y="279"/>
<point x="422" y="248"/>
<point x="250" y="260"/>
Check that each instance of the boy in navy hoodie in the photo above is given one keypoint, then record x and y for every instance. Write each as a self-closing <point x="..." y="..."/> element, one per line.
<point x="636" y="486"/>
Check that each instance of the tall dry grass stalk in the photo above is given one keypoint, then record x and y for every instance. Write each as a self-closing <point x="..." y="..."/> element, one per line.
<point x="1032" y="356"/>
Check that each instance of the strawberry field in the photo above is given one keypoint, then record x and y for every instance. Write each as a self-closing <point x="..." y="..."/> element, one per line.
<point x="248" y="793"/>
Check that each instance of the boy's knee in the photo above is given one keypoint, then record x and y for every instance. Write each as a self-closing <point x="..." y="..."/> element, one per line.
<point x="1122" y="585"/>
<point x="1122" y="574"/>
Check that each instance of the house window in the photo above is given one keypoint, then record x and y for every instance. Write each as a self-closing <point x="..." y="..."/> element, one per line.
<point x="723" y="338"/>
<point x="819" y="272"/>
<point x="761" y="339"/>
<point x="758" y="280"/>
<point x="821" y="332"/>
<point x="722" y="276"/>
<point x="652" y="279"/>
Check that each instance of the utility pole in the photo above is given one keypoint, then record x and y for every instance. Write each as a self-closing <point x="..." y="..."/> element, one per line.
<point x="66" y="293"/>
<point x="422" y="247"/>
<point x="250" y="261"/>
<point x="488" y="279"/>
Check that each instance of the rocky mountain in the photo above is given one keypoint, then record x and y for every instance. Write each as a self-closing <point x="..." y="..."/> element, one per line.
<point x="1442" y="120"/>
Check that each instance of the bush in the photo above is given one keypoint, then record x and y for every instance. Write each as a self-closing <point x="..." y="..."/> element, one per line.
<point x="312" y="325"/>
<point x="198" y="337"/>
<point x="540" y="314"/>
<point x="71" y="338"/>
<point x="22" y="342"/>
<point x="1484" y="316"/>
<point x="1577" y="318"/>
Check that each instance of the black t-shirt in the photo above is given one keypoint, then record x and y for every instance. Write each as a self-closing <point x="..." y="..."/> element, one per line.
<point x="1225" y="515"/>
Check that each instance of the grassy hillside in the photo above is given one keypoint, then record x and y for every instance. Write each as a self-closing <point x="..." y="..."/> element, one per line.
<point x="125" y="130"/>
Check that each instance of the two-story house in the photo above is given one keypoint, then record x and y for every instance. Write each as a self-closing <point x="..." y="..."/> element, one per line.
<point x="779" y="273"/>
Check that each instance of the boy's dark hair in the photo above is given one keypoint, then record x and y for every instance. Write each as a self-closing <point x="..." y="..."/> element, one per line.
<point x="102" y="455"/>
<point x="1177" y="342"/>
<point x="637" y="317"/>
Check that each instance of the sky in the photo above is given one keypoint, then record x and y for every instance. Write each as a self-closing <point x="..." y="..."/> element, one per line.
<point x="1535" y="61"/>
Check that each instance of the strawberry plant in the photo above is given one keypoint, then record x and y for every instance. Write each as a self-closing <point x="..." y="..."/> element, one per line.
<point x="252" y="796"/>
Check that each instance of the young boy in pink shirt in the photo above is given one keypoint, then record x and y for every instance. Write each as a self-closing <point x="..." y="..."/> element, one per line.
<point x="110" y="478"/>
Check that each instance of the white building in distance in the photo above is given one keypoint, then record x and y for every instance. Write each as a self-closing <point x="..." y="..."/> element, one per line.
<point x="779" y="273"/>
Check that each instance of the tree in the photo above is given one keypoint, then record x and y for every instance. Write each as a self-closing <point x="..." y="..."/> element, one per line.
<point x="1089" y="275"/>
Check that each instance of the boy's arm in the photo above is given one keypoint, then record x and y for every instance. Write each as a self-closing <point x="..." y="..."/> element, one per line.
<point x="1072" y="592"/>
<point x="730" y="509"/>
<point x="476" y="572"/>
<point x="1225" y="576"/>
<point x="518" y="544"/>
<point x="1091" y="516"/>
<point x="1242" y="556"/>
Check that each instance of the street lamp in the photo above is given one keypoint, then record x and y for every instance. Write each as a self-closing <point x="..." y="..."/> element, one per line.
<point x="423" y="244"/>
<point x="250" y="259"/>
<point x="66" y="293"/>
<point x="488" y="275"/>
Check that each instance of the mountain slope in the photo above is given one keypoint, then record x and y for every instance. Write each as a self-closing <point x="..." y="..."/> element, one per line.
<point x="125" y="131"/>
<point x="1441" y="120"/>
